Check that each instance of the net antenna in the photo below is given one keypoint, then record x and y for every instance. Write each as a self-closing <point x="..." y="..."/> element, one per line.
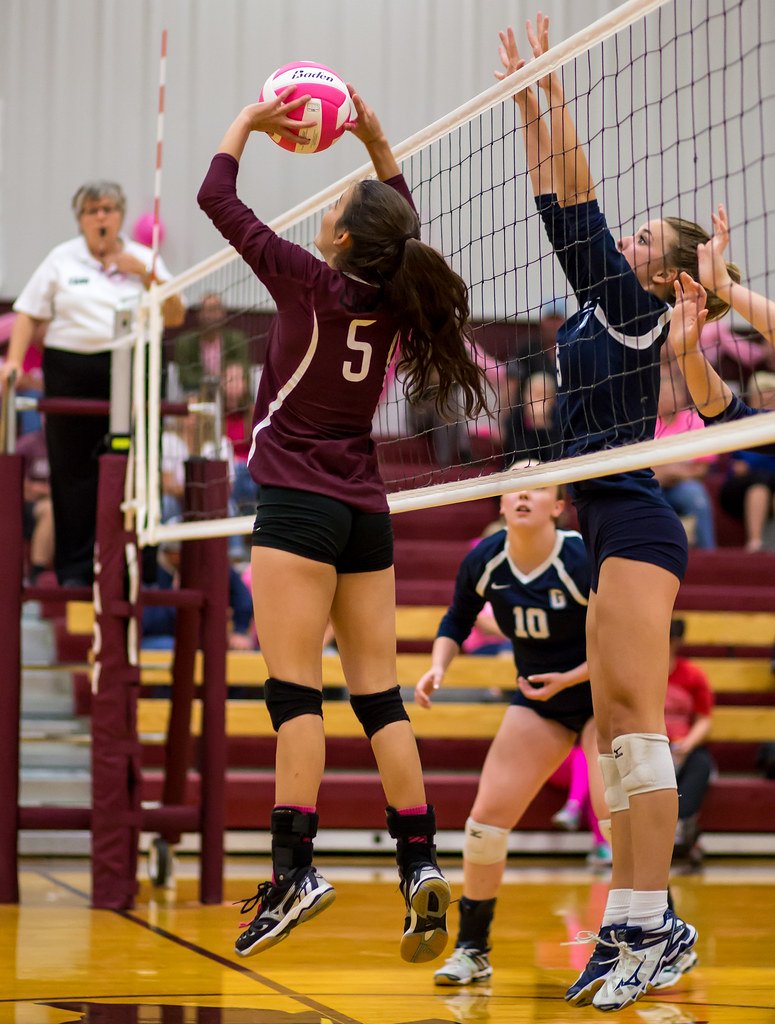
<point x="640" y="82"/>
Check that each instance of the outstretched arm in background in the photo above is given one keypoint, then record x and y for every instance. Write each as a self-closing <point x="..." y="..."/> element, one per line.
<point x="714" y="274"/>
<point x="709" y="393"/>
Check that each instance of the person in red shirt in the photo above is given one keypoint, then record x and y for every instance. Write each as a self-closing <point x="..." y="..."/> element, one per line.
<point x="688" y="708"/>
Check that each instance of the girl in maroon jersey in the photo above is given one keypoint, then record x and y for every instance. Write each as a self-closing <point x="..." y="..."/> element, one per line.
<point x="323" y="545"/>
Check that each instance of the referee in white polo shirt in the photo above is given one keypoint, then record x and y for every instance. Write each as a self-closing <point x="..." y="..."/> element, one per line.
<point x="84" y="293"/>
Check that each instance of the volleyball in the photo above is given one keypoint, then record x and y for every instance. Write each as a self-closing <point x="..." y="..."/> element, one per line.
<point x="329" y="106"/>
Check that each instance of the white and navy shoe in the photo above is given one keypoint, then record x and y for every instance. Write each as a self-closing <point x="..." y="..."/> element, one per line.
<point x="427" y="895"/>
<point x="463" y="967"/>
<point x="671" y="974"/>
<point x="643" y="955"/>
<point x="601" y="963"/>
<point x="281" y="908"/>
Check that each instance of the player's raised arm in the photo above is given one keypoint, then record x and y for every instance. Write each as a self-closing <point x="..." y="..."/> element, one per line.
<point x="368" y="129"/>
<point x="534" y="129"/>
<point x="709" y="393"/>
<point x="270" y="116"/>
<point x="572" y="180"/>
<point x="724" y="279"/>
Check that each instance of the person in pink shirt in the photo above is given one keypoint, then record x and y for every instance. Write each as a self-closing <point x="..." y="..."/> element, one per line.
<point x="682" y="482"/>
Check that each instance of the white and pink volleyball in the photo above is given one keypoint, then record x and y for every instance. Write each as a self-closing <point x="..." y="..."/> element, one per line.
<point x="329" y="106"/>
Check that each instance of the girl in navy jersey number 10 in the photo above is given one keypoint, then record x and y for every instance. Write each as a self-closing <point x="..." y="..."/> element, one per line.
<point x="537" y="579"/>
<point x="322" y="543"/>
<point x="608" y="362"/>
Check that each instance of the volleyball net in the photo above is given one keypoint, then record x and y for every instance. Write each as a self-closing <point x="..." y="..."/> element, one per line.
<point x="672" y="99"/>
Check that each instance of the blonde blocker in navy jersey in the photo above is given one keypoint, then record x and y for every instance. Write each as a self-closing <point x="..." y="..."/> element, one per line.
<point x="323" y="529"/>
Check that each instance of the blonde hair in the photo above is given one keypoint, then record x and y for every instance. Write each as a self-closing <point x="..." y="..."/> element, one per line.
<point x="683" y="256"/>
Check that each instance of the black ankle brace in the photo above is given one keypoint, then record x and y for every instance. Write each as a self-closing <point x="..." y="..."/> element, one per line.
<point x="292" y="835"/>
<point x="475" y="920"/>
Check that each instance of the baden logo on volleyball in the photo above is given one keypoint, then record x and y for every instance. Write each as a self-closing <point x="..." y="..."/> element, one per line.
<point x="329" y="106"/>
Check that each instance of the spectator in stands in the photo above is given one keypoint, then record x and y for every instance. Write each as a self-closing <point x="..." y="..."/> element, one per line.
<point x="208" y="350"/>
<point x="688" y="711"/>
<point x="85" y="292"/>
<point x="184" y="438"/>
<point x="577" y="809"/>
<point x="448" y="433"/>
<point x="748" y="493"/>
<point x="238" y="412"/>
<point x="530" y="383"/>
<point x="537" y="580"/>
<point x="158" y="626"/>
<point x="682" y="482"/>
<point x="38" y="512"/>
<point x="531" y="431"/>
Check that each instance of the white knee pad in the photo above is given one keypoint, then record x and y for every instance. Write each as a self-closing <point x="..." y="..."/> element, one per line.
<point x="615" y="796"/>
<point x="604" y="824"/>
<point x="485" y="844"/>
<point x="644" y="762"/>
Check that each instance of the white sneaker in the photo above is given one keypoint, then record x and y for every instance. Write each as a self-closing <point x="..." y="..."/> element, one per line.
<point x="427" y="895"/>
<point x="643" y="954"/>
<point x="282" y="908"/>
<point x="463" y="967"/>
<point x="671" y="974"/>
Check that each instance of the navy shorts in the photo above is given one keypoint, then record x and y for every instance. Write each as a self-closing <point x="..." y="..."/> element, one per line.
<point x="627" y="526"/>
<point x="323" y="529"/>
<point x="571" y="708"/>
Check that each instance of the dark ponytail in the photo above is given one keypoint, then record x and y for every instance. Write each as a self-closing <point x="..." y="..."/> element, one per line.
<point x="428" y="299"/>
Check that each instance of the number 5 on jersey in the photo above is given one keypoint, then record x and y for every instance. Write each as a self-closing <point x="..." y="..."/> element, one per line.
<point x="363" y="348"/>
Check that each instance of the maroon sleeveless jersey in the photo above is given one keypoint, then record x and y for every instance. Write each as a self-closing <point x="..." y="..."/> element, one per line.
<point x="329" y="349"/>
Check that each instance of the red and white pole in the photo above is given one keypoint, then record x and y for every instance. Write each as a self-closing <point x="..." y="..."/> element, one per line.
<point x="159" y="145"/>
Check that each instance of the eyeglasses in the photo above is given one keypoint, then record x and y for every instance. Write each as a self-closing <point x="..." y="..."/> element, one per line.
<point x="92" y="211"/>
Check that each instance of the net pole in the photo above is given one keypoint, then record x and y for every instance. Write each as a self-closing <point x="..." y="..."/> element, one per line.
<point x="159" y="147"/>
<point x="155" y="319"/>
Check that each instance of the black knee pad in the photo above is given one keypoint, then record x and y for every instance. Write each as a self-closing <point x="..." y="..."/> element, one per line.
<point x="285" y="701"/>
<point x="376" y="710"/>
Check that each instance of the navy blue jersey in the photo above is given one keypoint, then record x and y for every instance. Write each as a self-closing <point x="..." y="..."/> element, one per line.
<point x="543" y="613"/>
<point x="607" y="352"/>
<point x="736" y="410"/>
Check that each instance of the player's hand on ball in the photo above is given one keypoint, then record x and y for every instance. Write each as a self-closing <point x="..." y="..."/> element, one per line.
<point x="272" y="117"/>
<point x="367" y="127"/>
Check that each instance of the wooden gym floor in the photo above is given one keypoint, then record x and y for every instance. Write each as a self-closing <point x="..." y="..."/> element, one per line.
<point x="170" y="961"/>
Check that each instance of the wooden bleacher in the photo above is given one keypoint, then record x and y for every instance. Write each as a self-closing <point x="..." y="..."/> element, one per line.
<point x="454" y="736"/>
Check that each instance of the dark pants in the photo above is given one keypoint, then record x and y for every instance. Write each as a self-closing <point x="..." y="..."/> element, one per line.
<point x="74" y="443"/>
<point x="693" y="779"/>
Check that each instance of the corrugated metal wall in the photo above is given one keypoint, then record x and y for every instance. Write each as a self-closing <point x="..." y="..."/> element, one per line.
<point x="79" y="82"/>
